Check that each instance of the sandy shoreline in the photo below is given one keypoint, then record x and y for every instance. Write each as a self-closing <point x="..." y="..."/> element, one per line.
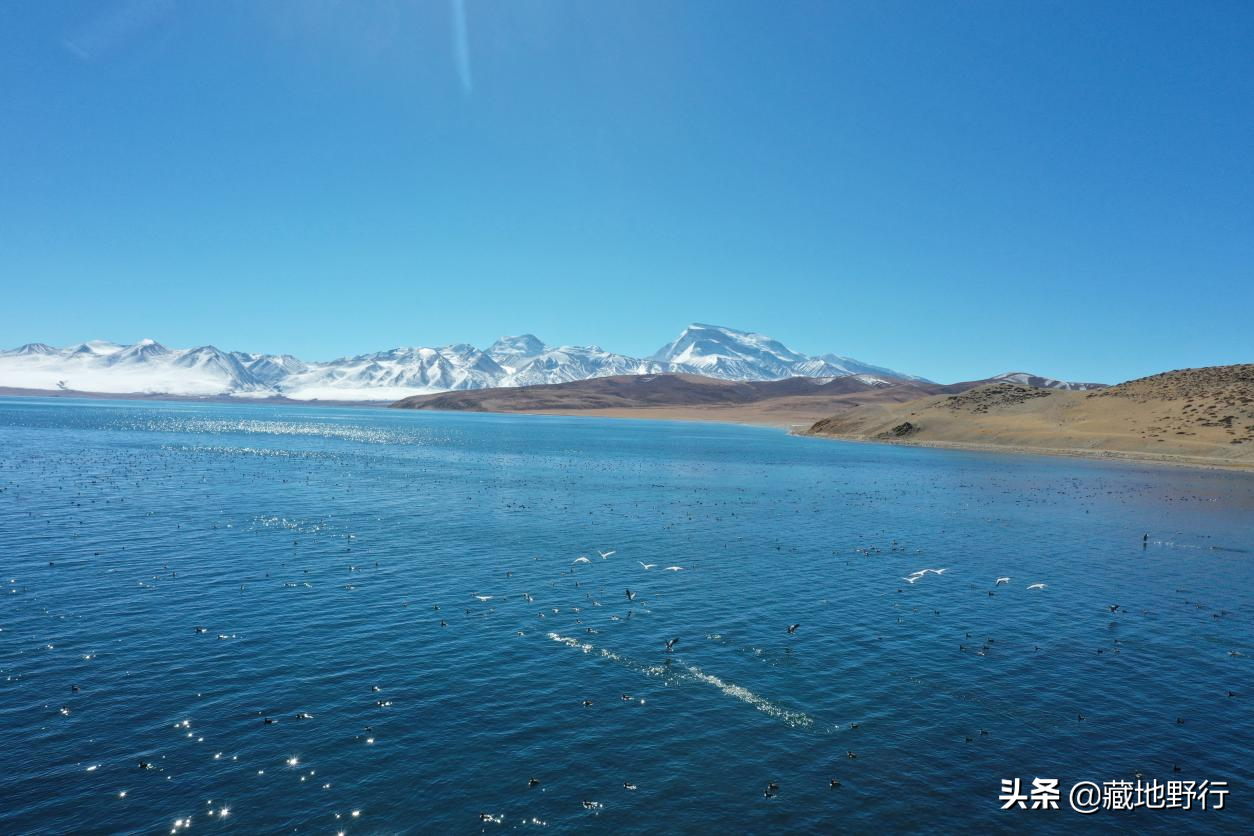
<point x="1072" y="452"/>
<point x="1190" y="417"/>
<point x="738" y="415"/>
<point x="745" y="417"/>
<point x="709" y="415"/>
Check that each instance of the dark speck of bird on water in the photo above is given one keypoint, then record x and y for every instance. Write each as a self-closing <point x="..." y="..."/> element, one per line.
<point x="181" y="648"/>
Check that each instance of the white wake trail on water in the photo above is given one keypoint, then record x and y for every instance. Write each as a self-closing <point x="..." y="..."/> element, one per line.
<point x="796" y="719"/>
<point x="689" y="673"/>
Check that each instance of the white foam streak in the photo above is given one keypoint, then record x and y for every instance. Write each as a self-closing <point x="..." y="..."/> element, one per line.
<point x="792" y="718"/>
<point x="796" y="719"/>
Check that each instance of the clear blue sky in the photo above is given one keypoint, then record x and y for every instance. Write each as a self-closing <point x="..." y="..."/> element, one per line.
<point x="952" y="189"/>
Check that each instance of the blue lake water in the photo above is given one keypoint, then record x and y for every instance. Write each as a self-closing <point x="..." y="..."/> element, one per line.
<point x="312" y="546"/>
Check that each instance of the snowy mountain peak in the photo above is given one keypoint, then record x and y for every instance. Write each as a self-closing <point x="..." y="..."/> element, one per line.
<point x="713" y="346"/>
<point x="97" y="348"/>
<point x="523" y="360"/>
<point x="743" y="355"/>
<point x="523" y="345"/>
<point x="140" y="352"/>
<point x="472" y="358"/>
<point x="1038" y="382"/>
<point x="515" y="353"/>
<point x="32" y="348"/>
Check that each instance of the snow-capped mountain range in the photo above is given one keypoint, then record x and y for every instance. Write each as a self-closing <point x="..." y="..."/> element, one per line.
<point x="1038" y="382"/>
<point x="150" y="368"/>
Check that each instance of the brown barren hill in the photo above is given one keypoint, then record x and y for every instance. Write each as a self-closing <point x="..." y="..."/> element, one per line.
<point x="1195" y="416"/>
<point x="793" y="401"/>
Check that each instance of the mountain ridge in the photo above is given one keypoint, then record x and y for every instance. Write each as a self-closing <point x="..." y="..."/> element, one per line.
<point x="1203" y="415"/>
<point x="149" y="367"/>
<point x="788" y="401"/>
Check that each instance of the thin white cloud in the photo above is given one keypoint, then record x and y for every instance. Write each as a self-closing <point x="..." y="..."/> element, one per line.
<point x="461" y="46"/>
<point x="116" y="25"/>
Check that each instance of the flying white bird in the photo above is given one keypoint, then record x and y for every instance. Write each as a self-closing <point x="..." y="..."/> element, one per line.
<point x="673" y="569"/>
<point x="604" y="555"/>
<point x="646" y="565"/>
<point x="581" y="559"/>
<point x="484" y="597"/>
<point x="912" y="578"/>
<point x="1037" y="586"/>
<point x="1002" y="581"/>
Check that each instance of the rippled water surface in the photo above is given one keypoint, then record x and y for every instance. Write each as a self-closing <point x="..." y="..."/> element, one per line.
<point x="400" y="595"/>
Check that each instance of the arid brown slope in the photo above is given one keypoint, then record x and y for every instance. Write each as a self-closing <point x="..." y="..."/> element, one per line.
<point x="795" y="400"/>
<point x="1195" y="415"/>
<point x="1212" y="398"/>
